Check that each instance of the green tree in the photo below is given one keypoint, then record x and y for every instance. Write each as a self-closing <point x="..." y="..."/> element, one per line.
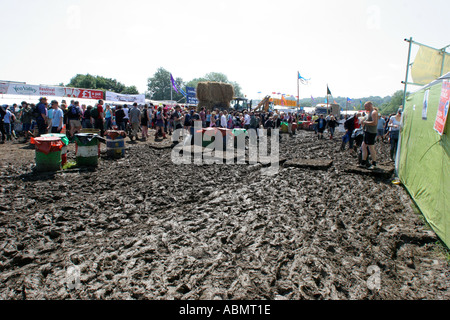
<point x="393" y="105"/>
<point x="160" y="86"/>
<point x="130" y="90"/>
<point x="100" y="83"/>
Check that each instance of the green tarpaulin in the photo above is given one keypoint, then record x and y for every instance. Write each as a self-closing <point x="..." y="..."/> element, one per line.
<point x="424" y="157"/>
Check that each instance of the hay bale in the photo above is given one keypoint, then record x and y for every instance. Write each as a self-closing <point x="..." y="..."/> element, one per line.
<point x="214" y="94"/>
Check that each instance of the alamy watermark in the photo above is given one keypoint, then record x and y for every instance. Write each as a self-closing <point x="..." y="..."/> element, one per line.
<point x="73" y="277"/>
<point x="220" y="146"/>
<point x="374" y="281"/>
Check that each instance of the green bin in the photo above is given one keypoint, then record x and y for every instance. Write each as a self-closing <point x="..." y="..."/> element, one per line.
<point x="48" y="153"/>
<point x="87" y="147"/>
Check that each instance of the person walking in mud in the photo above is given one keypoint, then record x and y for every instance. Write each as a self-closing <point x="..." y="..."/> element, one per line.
<point x="380" y="128"/>
<point x="394" y="132"/>
<point x="160" y="123"/>
<point x="57" y="118"/>
<point x="41" y="116"/>
<point x="2" y="125"/>
<point x="332" y="124"/>
<point x="135" y="120"/>
<point x="120" y="118"/>
<point x="144" y="122"/>
<point x="321" y="124"/>
<point x="369" y="123"/>
<point x="99" y="118"/>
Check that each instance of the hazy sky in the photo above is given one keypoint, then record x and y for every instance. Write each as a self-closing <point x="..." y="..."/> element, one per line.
<point x="357" y="47"/>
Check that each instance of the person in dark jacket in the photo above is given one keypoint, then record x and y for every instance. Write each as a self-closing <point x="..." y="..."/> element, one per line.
<point x="120" y="118"/>
<point x="2" y="126"/>
<point x="321" y="124"/>
<point x="41" y="119"/>
<point x="349" y="126"/>
<point x="332" y="124"/>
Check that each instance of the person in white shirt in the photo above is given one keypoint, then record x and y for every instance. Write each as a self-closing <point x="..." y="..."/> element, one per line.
<point x="246" y="120"/>
<point x="223" y="119"/>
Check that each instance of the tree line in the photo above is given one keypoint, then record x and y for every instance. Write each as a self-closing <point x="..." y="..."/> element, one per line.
<point x="386" y="105"/>
<point x="159" y="86"/>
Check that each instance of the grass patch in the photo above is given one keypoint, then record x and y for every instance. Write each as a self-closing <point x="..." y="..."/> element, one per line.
<point x="69" y="165"/>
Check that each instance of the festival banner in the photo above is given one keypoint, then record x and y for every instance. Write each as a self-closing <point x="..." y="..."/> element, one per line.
<point x="442" y="113"/>
<point x="46" y="91"/>
<point x="4" y="88"/>
<point x="285" y="103"/>
<point x="138" y="98"/>
<point x="191" y="95"/>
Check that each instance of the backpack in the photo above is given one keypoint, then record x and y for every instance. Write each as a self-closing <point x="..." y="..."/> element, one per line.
<point x="94" y="113"/>
<point x="35" y="112"/>
<point x="74" y="110"/>
<point x="348" y="123"/>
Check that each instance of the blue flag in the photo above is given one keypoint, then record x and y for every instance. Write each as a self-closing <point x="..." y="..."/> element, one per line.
<point x="302" y="79"/>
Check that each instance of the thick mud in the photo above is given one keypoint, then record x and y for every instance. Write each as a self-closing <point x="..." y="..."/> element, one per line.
<point x="142" y="227"/>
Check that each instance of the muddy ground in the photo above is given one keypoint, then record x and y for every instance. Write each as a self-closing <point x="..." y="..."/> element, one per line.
<point x="142" y="227"/>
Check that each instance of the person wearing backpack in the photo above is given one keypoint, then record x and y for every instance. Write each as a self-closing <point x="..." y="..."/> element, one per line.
<point x="74" y="118"/>
<point x="349" y="126"/>
<point x="26" y="117"/>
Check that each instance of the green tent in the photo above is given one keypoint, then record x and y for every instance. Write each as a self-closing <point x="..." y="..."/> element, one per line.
<point x="423" y="158"/>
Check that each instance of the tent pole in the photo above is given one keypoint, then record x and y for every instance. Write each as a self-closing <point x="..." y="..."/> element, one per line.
<point x="407" y="70"/>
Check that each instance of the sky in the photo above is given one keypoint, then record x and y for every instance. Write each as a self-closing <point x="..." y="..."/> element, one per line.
<point x="356" y="47"/>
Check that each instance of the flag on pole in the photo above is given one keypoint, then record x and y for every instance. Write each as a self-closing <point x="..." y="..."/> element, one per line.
<point x="176" y="87"/>
<point x="328" y="91"/>
<point x="349" y="100"/>
<point x="173" y="83"/>
<point x="302" y="79"/>
<point x="283" y="101"/>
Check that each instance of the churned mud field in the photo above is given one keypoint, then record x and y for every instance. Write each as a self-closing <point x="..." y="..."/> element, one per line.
<point x="142" y="227"/>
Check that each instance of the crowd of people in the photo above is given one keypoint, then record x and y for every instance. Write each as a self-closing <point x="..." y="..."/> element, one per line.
<point x="362" y="129"/>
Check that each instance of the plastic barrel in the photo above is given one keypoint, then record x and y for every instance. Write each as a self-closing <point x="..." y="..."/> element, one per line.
<point x="115" y="148"/>
<point x="86" y="149"/>
<point x="48" y="153"/>
<point x="65" y="142"/>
